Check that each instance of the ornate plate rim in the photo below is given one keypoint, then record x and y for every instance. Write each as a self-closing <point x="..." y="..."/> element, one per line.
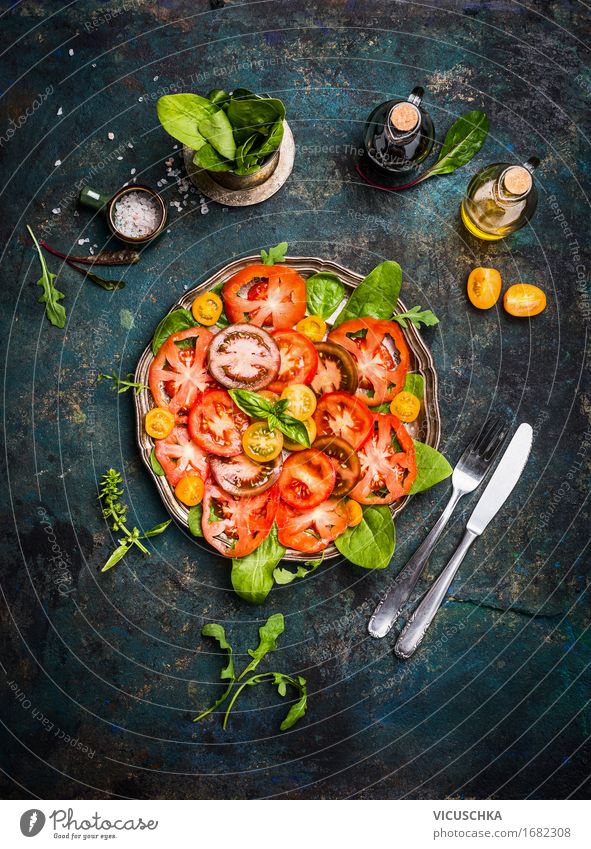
<point x="423" y="363"/>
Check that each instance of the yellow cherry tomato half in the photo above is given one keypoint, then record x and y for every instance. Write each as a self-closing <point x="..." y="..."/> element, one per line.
<point x="405" y="406"/>
<point x="261" y="444"/>
<point x="207" y="308"/>
<point x="189" y="490"/>
<point x="353" y="513"/>
<point x="313" y="326"/>
<point x="159" y="423"/>
<point x="310" y="426"/>
<point x="301" y="401"/>
<point x="524" y="300"/>
<point x="484" y="287"/>
<point x="273" y="397"/>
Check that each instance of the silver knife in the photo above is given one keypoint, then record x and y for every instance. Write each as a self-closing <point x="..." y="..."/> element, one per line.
<point x="499" y="488"/>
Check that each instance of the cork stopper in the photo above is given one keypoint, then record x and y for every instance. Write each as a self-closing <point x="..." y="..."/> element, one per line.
<point x="404" y="117"/>
<point x="517" y="180"/>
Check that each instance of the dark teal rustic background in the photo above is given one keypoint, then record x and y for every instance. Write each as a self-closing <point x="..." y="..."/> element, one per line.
<point x="495" y="704"/>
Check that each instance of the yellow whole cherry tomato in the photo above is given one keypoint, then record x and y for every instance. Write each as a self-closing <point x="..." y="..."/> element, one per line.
<point x="159" y="423"/>
<point x="189" y="490"/>
<point x="313" y="326"/>
<point x="207" y="308"/>
<point x="405" y="406"/>
<point x="484" y="287"/>
<point x="310" y="426"/>
<point x="524" y="300"/>
<point x="261" y="444"/>
<point x="353" y="513"/>
<point x="301" y="401"/>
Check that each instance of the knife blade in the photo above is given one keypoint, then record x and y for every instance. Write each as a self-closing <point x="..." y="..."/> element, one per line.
<point x="498" y="490"/>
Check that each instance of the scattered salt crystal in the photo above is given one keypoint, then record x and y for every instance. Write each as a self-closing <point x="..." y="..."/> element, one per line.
<point x="91" y="251"/>
<point x="129" y="145"/>
<point x="71" y="52"/>
<point x="60" y="111"/>
<point x="156" y="78"/>
<point x="140" y="99"/>
<point x="57" y="210"/>
<point x="204" y="209"/>
<point x="57" y="163"/>
<point x="119" y="157"/>
<point x="83" y="241"/>
<point x="175" y="147"/>
<point x="110" y="136"/>
<point x="133" y="170"/>
<point x="94" y="64"/>
<point x="136" y="215"/>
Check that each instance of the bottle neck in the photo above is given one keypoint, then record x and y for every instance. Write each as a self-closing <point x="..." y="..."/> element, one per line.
<point x="514" y="184"/>
<point x="403" y="122"/>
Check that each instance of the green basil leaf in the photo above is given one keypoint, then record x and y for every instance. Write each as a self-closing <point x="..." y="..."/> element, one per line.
<point x="276" y="254"/>
<point x="252" y="576"/>
<point x="194" y="520"/>
<point x="376" y="295"/>
<point x="324" y="293"/>
<point x="415" y="383"/>
<point x="268" y="633"/>
<point x="174" y="322"/>
<point x="251" y="403"/>
<point x="218" y="131"/>
<point x="156" y="467"/>
<point x="462" y="142"/>
<point x="432" y="467"/>
<point x="292" y="428"/>
<point x="212" y="629"/>
<point x="181" y="114"/>
<point x="370" y="544"/>
<point x="157" y="529"/>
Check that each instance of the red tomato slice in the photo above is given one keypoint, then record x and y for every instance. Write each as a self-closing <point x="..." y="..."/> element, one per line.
<point x="343" y="415"/>
<point x="388" y="463"/>
<point x="311" y="530"/>
<point x="299" y="359"/>
<point x="179" y="374"/>
<point x="307" y="478"/>
<point x="179" y="456"/>
<point x="216" y="424"/>
<point x="265" y="295"/>
<point x="236" y="526"/>
<point x="381" y="354"/>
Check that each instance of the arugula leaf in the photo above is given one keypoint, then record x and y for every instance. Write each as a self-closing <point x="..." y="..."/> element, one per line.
<point x="415" y="383"/>
<point x="268" y="633"/>
<point x="281" y="681"/>
<point x="417" y="317"/>
<point x="370" y="544"/>
<point x="257" y="407"/>
<point x="376" y="295"/>
<point x="324" y="293"/>
<point x="155" y="464"/>
<point x="462" y="142"/>
<point x="174" y="322"/>
<point x="252" y="576"/>
<point x="121" y="384"/>
<point x="276" y="254"/>
<point x="212" y="629"/>
<point x="285" y="576"/>
<point x="432" y="467"/>
<point x="50" y="297"/>
<point x="194" y="520"/>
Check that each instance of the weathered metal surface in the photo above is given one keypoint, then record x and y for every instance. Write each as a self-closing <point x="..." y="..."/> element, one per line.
<point x="494" y="704"/>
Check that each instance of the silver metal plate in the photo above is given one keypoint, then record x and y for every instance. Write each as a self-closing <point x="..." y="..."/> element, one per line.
<point x="427" y="428"/>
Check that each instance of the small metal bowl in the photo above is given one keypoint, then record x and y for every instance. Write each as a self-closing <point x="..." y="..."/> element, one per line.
<point x="231" y="180"/>
<point x="106" y="203"/>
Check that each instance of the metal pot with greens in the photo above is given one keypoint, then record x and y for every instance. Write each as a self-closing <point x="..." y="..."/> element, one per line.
<point x="236" y="137"/>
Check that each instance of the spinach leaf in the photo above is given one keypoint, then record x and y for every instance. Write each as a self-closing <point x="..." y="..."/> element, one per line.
<point x="432" y="467"/>
<point x="255" y="113"/>
<point x="415" y="383"/>
<point x="216" y="631"/>
<point x="273" y="140"/>
<point x="252" y="576"/>
<point x="417" y="317"/>
<point x="286" y="576"/>
<point x="50" y="297"/>
<point x="462" y="142"/>
<point x="370" y="544"/>
<point x="154" y="463"/>
<point x="218" y="131"/>
<point x="218" y="96"/>
<point x="181" y="114"/>
<point x="324" y="293"/>
<point x="281" y="681"/>
<point x="376" y="295"/>
<point x="268" y="633"/>
<point x="174" y="322"/>
<point x="276" y="254"/>
<point x="194" y="520"/>
<point x="208" y="158"/>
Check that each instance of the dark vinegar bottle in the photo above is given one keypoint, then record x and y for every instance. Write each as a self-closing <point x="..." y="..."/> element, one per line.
<point x="398" y="137"/>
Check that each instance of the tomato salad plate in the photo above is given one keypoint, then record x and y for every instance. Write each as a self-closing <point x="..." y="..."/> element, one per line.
<point x="290" y="409"/>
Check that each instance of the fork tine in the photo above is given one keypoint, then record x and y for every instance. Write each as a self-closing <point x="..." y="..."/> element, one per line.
<point x="485" y="433"/>
<point x="495" y="441"/>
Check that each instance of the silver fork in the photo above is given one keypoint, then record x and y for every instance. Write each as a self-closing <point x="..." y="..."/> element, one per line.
<point x="468" y="474"/>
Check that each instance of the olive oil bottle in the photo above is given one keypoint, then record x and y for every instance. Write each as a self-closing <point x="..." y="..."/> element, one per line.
<point x="500" y="199"/>
<point x="397" y="138"/>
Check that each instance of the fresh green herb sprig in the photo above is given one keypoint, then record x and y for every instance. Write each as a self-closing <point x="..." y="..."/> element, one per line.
<point x="116" y="513"/>
<point x="268" y="634"/>
<point x="54" y="311"/>
<point x="121" y="384"/>
<point x="276" y="254"/>
<point x="416" y="316"/>
<point x="257" y="407"/>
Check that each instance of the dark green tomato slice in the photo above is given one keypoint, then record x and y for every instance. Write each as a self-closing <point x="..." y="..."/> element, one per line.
<point x="336" y="371"/>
